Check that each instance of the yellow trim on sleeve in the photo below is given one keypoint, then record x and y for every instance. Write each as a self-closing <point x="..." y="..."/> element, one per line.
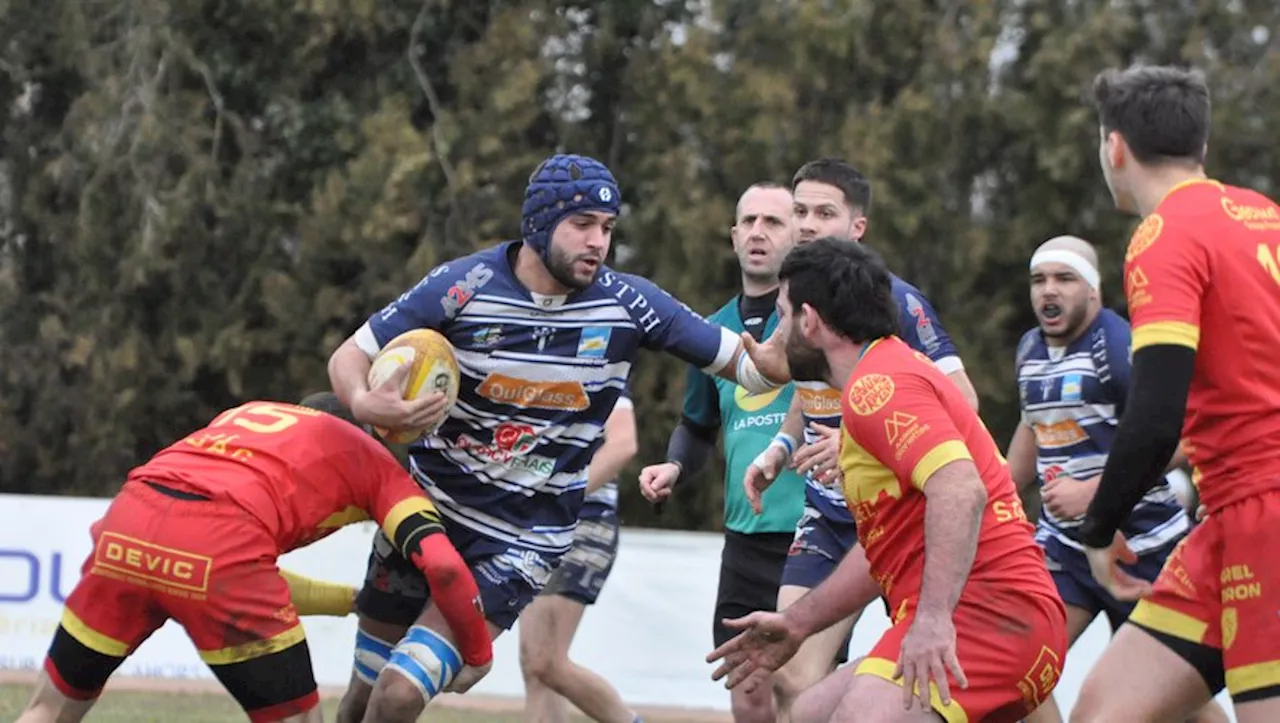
<point x="90" y="638"/>
<point x="937" y="458"/>
<point x="882" y="668"/>
<point x="1166" y="332"/>
<point x="403" y="510"/>
<point x="256" y="649"/>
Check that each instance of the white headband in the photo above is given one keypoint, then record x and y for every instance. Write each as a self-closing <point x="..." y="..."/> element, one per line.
<point x="1078" y="263"/>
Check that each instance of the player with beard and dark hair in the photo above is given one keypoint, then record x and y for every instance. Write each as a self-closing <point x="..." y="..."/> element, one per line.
<point x="978" y="629"/>
<point x="832" y="198"/>
<point x="545" y="335"/>
<point x="1073" y="377"/>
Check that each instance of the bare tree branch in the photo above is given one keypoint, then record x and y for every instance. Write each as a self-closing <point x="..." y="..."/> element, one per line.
<point x="433" y="102"/>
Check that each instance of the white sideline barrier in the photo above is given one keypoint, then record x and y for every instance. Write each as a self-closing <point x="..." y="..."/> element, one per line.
<point x="648" y="634"/>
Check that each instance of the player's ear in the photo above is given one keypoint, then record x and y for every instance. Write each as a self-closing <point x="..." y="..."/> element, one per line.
<point x="859" y="227"/>
<point x="809" y="321"/>
<point x="1117" y="149"/>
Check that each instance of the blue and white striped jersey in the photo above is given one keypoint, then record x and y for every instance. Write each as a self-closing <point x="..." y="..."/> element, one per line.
<point x="1072" y="397"/>
<point x="922" y="331"/>
<point x="539" y="377"/>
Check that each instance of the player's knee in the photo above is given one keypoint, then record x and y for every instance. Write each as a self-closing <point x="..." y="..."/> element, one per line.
<point x="422" y="665"/>
<point x="396" y="698"/>
<point x="797" y="676"/>
<point x="753" y="707"/>
<point x="541" y="663"/>
<point x="48" y="704"/>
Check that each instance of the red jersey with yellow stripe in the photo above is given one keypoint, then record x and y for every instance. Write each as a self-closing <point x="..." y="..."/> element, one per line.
<point x="902" y="421"/>
<point x="299" y="471"/>
<point x="1202" y="271"/>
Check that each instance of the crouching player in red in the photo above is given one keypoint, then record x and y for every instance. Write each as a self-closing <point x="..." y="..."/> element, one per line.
<point x="979" y="631"/>
<point x="194" y="535"/>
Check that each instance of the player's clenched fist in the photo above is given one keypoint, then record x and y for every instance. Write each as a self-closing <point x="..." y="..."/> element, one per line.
<point x="657" y="480"/>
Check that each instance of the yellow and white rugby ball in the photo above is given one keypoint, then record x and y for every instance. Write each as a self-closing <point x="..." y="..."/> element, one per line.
<point x="434" y="368"/>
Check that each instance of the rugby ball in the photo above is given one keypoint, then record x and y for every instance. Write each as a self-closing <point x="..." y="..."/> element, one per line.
<point x="434" y="368"/>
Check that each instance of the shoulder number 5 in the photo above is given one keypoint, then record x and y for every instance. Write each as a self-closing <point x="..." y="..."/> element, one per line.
<point x="263" y="418"/>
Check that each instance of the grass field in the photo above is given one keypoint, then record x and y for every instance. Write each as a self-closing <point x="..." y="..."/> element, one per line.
<point x="131" y="707"/>
<point x="139" y="707"/>
<point x="125" y="704"/>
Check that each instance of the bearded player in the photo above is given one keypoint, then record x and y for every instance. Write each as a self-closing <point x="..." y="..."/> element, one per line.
<point x="194" y="536"/>
<point x="1201" y="274"/>
<point x="545" y="335"/>
<point x="832" y="198"/>
<point x="978" y="630"/>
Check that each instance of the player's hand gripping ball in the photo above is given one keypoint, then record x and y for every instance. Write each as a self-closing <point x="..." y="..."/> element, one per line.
<point x="433" y="368"/>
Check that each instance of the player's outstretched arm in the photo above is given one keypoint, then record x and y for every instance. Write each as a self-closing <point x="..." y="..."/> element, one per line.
<point x="319" y="597"/>
<point x="619" y="448"/>
<point x="770" y="639"/>
<point x="846" y="591"/>
<point x="757" y="367"/>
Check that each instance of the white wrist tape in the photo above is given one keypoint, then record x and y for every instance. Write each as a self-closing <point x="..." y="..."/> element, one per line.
<point x="782" y="441"/>
<point x="750" y="378"/>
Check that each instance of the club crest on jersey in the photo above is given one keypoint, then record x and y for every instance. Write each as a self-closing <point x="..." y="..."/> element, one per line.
<point x="1143" y="236"/>
<point x="543" y="335"/>
<point x="593" y="342"/>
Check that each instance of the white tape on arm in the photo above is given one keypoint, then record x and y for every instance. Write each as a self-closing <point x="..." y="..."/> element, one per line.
<point x="750" y="378"/>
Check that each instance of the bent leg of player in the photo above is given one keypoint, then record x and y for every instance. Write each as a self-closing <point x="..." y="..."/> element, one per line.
<point x="82" y="656"/>
<point x="1010" y="645"/>
<point x="548" y="624"/>
<point x="426" y="661"/>
<point x="1209" y="623"/>
<point x="818" y="703"/>
<point x="818" y="548"/>
<point x="105" y="618"/>
<point x="394" y="595"/>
